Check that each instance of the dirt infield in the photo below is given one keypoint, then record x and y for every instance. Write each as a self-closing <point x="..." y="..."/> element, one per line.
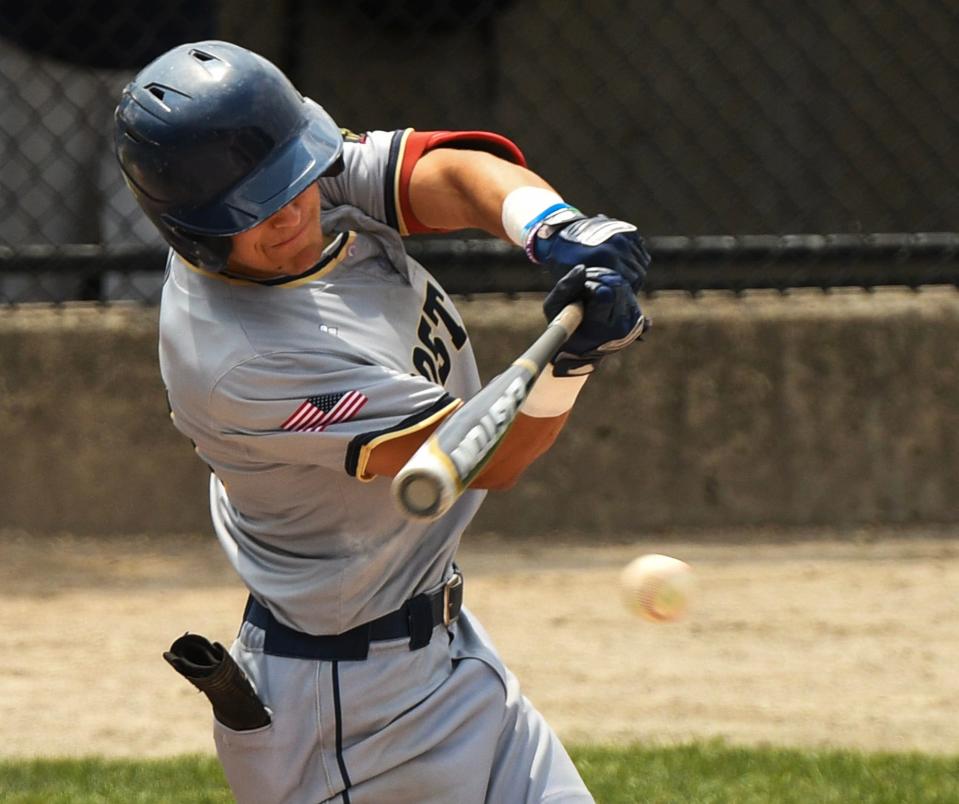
<point x="832" y="639"/>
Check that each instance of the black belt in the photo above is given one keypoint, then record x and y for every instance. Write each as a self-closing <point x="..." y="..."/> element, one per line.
<point x="415" y="619"/>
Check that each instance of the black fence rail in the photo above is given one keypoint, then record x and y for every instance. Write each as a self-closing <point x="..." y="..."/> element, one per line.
<point x="52" y="274"/>
<point x="686" y="117"/>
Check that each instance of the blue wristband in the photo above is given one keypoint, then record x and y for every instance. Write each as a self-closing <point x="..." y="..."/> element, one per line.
<point x="553" y="216"/>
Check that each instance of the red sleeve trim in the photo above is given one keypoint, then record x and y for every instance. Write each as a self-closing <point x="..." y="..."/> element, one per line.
<point x="420" y="142"/>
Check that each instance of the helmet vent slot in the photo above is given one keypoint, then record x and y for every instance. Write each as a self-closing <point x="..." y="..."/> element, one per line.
<point x="214" y="65"/>
<point x="157" y="92"/>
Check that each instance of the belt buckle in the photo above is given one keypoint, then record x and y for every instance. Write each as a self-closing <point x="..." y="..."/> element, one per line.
<point x="454" y="582"/>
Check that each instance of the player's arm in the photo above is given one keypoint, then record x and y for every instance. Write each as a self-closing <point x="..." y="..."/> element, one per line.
<point x="611" y="321"/>
<point x="455" y="188"/>
<point x="528" y="438"/>
<point x="452" y="188"/>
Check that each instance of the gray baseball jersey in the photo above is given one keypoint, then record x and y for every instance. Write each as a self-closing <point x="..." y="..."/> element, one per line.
<point x="286" y="387"/>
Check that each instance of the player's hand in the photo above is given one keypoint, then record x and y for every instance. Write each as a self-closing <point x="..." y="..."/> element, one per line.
<point x="599" y="241"/>
<point x="611" y="319"/>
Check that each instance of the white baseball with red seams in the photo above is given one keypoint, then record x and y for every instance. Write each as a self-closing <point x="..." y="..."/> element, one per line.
<point x="657" y="587"/>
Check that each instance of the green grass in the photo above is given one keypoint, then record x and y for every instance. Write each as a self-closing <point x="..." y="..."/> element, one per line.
<point x="710" y="773"/>
<point x="189" y="779"/>
<point x="704" y="773"/>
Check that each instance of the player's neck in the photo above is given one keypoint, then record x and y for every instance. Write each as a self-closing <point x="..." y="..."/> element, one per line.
<point x="296" y="265"/>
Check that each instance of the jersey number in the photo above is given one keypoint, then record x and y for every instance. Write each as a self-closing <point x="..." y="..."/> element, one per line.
<point x="431" y="358"/>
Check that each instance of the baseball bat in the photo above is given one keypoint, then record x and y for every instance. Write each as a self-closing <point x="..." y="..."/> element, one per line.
<point x="451" y="458"/>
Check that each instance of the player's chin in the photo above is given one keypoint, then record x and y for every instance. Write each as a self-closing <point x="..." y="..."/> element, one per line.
<point x="300" y="258"/>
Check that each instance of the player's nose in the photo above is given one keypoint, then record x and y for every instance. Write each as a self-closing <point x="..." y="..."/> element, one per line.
<point x="290" y="215"/>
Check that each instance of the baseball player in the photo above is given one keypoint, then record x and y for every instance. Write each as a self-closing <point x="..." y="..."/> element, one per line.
<point x="307" y="357"/>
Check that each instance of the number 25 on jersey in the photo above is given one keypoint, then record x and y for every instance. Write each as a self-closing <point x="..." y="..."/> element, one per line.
<point x="431" y="357"/>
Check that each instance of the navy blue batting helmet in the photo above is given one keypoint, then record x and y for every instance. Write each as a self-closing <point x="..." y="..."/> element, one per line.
<point x="213" y="139"/>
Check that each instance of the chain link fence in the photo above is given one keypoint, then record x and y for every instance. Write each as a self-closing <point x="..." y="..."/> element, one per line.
<point x="757" y="143"/>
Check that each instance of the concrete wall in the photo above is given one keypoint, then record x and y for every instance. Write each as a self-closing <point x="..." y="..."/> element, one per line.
<point x="800" y="410"/>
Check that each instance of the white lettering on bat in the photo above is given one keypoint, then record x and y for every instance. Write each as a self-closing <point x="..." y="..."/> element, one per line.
<point x="485" y="433"/>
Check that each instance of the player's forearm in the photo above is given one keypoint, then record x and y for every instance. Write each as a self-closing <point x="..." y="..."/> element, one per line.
<point x="456" y="189"/>
<point x="539" y="423"/>
<point x="527" y="440"/>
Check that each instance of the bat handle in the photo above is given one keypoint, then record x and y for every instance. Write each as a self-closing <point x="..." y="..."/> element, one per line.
<point x="569" y="318"/>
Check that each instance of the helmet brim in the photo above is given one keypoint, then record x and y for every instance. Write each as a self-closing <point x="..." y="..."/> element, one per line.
<point x="289" y="171"/>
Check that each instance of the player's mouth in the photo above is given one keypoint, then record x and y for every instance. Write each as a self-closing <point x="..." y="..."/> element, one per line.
<point x="291" y="239"/>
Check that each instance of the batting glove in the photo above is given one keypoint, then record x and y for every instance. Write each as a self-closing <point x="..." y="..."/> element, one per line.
<point x="611" y="319"/>
<point x="568" y="238"/>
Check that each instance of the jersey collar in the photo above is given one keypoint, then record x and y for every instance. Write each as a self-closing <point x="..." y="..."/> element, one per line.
<point x="332" y="256"/>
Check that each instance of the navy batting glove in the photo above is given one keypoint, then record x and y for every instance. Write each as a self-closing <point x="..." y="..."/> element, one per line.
<point x="611" y="319"/>
<point x="599" y="242"/>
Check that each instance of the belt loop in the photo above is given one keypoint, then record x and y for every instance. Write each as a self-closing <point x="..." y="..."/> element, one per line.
<point x="420" y="616"/>
<point x="452" y="597"/>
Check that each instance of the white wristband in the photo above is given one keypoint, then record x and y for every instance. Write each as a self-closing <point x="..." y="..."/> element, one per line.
<point x="552" y="396"/>
<point x="526" y="206"/>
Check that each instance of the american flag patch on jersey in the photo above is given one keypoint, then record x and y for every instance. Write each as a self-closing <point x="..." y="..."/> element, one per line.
<point x="319" y="412"/>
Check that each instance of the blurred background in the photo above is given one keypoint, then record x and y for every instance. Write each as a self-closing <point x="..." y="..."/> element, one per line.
<point x="794" y="168"/>
<point x="756" y="143"/>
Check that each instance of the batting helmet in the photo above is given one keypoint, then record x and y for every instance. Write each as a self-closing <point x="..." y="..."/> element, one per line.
<point x="213" y="139"/>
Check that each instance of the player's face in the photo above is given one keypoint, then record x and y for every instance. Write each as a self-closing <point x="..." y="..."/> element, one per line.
<point x="289" y="242"/>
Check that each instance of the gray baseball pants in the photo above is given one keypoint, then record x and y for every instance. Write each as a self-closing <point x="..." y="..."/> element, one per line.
<point x="444" y="724"/>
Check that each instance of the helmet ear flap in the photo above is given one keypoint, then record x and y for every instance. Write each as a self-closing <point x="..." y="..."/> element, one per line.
<point x="206" y="251"/>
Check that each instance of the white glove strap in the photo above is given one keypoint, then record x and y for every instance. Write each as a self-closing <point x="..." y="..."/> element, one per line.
<point x="552" y="396"/>
<point x="525" y="207"/>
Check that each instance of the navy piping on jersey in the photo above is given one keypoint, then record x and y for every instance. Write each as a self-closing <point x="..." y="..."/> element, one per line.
<point x="392" y="168"/>
<point x="330" y="253"/>
<point x="338" y="714"/>
<point x="360" y="441"/>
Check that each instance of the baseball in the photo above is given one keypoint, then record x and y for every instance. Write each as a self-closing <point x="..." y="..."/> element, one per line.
<point x="657" y="587"/>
